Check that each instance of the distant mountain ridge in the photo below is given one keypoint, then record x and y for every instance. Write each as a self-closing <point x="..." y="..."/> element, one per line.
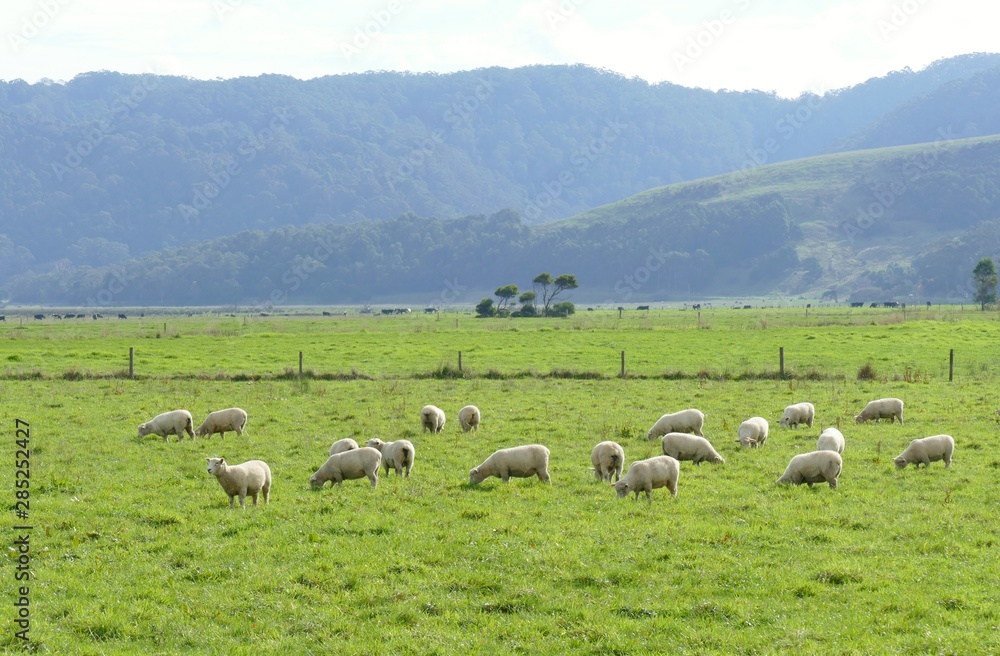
<point x="108" y="168"/>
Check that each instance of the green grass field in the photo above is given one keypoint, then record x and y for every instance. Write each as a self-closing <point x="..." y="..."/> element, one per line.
<point x="134" y="548"/>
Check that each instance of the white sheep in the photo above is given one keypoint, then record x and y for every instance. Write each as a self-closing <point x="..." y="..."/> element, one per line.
<point x="798" y="413"/>
<point x="348" y="465"/>
<point x="432" y="418"/>
<point x="608" y="459"/>
<point x="648" y="475"/>
<point x="249" y="478"/>
<point x="220" y="421"/>
<point x="469" y="417"/>
<point x="175" y="422"/>
<point x="398" y="455"/>
<point x="685" y="421"/>
<point x="891" y="409"/>
<point x="684" y="446"/>
<point x="830" y="439"/>
<point x="517" y="461"/>
<point x="926" y="450"/>
<point x="753" y="432"/>
<point x="345" y="444"/>
<point x="813" y="467"/>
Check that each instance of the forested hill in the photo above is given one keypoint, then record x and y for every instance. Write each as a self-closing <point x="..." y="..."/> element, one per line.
<point x="107" y="167"/>
<point x="884" y="223"/>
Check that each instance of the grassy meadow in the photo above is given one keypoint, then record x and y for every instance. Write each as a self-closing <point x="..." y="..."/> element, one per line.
<point x="135" y="550"/>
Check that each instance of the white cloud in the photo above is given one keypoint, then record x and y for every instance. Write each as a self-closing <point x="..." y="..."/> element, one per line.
<point x="782" y="45"/>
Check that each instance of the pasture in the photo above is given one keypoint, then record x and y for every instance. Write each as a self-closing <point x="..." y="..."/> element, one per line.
<point x="135" y="550"/>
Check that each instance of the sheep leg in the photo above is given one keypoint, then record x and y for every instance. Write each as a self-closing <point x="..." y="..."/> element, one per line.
<point x="254" y="496"/>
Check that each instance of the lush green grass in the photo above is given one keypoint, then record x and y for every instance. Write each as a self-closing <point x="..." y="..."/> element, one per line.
<point x="719" y="343"/>
<point x="136" y="551"/>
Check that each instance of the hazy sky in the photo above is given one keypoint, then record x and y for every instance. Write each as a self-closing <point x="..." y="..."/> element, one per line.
<point x="787" y="46"/>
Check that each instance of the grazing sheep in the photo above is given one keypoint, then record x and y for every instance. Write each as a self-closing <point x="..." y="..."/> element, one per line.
<point x="753" y="432"/>
<point x="685" y="421"/>
<point x="799" y="413"/>
<point x="432" y="418"/>
<point x="891" y="409"/>
<point x="926" y="450"/>
<point x="608" y="459"/>
<point x="348" y="465"/>
<point x="647" y="475"/>
<point x="398" y="455"/>
<point x="175" y="422"/>
<point x="814" y="467"/>
<point x="251" y="477"/>
<point x="220" y="421"/>
<point x="469" y="417"/>
<point x="684" y="446"/>
<point x="345" y="444"/>
<point x="517" y="461"/>
<point x="830" y="439"/>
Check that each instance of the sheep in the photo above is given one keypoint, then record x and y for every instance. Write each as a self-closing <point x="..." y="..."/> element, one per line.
<point x="753" y="432"/>
<point x="345" y="444"/>
<point x="799" y="413"/>
<point x="517" y="461"/>
<point x="469" y="417"/>
<point x="175" y="422"/>
<point x="813" y="467"/>
<point x="647" y="475"/>
<point x="685" y="421"/>
<point x="432" y="418"/>
<point x="251" y="477"/>
<point x="684" y="446"/>
<point x="220" y="421"/>
<point x="398" y="455"/>
<point x="926" y="450"/>
<point x="608" y="459"/>
<point x="881" y="409"/>
<point x="348" y="465"/>
<point x="830" y="439"/>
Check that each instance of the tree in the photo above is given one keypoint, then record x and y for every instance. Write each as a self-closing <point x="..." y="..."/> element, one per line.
<point x="551" y="288"/>
<point x="563" y="309"/>
<point x="485" y="308"/>
<point x="985" y="277"/>
<point x="505" y="294"/>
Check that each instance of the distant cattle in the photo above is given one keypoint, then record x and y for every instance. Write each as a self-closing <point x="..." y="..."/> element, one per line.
<point x="122" y="316"/>
<point x="642" y="307"/>
<point x="696" y="306"/>
<point x="389" y="311"/>
<point x="39" y="317"/>
<point x="857" y="304"/>
<point x="430" y="310"/>
<point x="57" y="316"/>
<point x="263" y="314"/>
<point x="401" y="311"/>
<point x="890" y="304"/>
<point x="590" y="309"/>
<point x="873" y="305"/>
<point x="809" y="305"/>
<point x="3" y="317"/>
<point x="746" y="307"/>
<point x="928" y="304"/>
<point x="325" y="313"/>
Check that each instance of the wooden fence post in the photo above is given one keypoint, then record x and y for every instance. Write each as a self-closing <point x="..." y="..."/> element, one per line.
<point x="300" y="364"/>
<point x="781" y="361"/>
<point x="131" y="362"/>
<point x="459" y="361"/>
<point x="951" y="365"/>
<point x="623" y="364"/>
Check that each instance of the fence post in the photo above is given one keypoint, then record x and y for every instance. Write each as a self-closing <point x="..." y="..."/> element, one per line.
<point x="619" y="313"/>
<point x="699" y="318"/>
<point x="623" y="364"/>
<point x="131" y="362"/>
<point x="300" y="364"/>
<point x="781" y="361"/>
<point x="459" y="361"/>
<point x="951" y="365"/>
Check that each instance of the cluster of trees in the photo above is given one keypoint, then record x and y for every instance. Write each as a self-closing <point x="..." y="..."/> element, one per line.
<point x="545" y="290"/>
<point x="984" y="276"/>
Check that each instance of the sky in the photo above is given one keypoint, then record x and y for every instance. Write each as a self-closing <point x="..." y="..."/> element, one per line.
<point x="785" y="46"/>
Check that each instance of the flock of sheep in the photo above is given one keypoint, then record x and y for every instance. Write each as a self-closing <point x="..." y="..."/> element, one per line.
<point x="680" y="434"/>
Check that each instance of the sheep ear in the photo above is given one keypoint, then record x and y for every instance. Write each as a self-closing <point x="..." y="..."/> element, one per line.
<point x="208" y="460"/>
